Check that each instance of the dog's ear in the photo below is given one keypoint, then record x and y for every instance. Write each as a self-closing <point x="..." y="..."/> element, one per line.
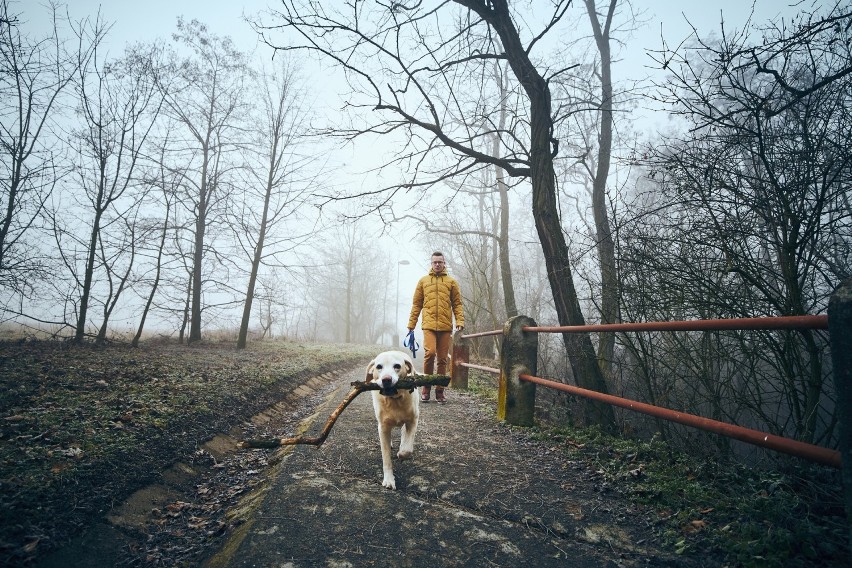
<point x="370" y="368"/>
<point x="409" y="368"/>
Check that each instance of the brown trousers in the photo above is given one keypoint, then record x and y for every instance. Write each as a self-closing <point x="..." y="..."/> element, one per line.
<point x="437" y="345"/>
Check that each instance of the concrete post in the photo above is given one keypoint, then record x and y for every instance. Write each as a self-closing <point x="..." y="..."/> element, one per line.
<point x="519" y="355"/>
<point x="840" y="334"/>
<point x="461" y="354"/>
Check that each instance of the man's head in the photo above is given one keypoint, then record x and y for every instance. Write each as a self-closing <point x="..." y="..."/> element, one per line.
<point x="438" y="261"/>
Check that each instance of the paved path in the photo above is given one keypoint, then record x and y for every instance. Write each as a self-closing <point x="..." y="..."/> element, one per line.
<point x="476" y="493"/>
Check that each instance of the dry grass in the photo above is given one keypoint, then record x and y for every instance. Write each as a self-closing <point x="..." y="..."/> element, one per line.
<point x="82" y="427"/>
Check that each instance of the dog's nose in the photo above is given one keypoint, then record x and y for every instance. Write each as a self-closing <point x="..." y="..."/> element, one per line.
<point x="387" y="381"/>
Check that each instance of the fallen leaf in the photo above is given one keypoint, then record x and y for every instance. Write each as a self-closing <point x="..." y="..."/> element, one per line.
<point x="694" y="526"/>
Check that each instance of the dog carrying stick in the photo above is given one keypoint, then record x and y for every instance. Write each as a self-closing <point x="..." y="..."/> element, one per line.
<point x="357" y="388"/>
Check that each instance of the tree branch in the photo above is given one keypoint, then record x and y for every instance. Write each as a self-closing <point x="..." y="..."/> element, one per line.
<point x="357" y="388"/>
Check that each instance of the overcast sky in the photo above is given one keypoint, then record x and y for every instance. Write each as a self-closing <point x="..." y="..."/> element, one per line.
<point x="143" y="20"/>
<point x="149" y="19"/>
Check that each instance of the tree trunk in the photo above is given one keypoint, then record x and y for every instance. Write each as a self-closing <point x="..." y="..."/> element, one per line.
<point x="503" y="240"/>
<point x="605" y="245"/>
<point x="88" y="275"/>
<point x="505" y="264"/>
<point x="155" y="285"/>
<point x="581" y="353"/>
<point x="255" y="267"/>
<point x="187" y="305"/>
<point x="112" y="300"/>
<point x="198" y="255"/>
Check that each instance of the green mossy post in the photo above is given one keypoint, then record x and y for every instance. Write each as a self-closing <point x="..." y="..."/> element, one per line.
<point x="519" y="355"/>
<point x="461" y="354"/>
<point x="840" y="333"/>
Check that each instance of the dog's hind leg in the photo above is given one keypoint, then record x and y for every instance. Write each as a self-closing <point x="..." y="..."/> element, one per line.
<point x="406" y="441"/>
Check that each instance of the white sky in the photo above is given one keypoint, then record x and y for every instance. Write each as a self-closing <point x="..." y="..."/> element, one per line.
<point x="149" y="20"/>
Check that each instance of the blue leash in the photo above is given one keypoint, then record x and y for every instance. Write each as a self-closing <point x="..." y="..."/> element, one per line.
<point x="411" y="344"/>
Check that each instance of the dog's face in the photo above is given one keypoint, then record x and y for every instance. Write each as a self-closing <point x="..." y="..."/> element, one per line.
<point x="388" y="368"/>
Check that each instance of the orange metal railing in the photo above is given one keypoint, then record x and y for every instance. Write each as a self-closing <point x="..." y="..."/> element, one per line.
<point x="786" y="445"/>
<point x="785" y="322"/>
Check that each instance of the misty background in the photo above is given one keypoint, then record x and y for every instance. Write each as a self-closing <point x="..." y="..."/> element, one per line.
<point x="192" y="170"/>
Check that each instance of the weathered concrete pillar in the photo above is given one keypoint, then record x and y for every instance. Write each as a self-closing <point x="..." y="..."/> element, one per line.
<point x="461" y="354"/>
<point x="840" y="333"/>
<point x="519" y="355"/>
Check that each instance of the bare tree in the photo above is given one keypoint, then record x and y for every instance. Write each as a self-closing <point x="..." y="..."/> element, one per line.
<point x="428" y="74"/>
<point x="167" y="182"/>
<point x="753" y="217"/>
<point x="603" y="230"/>
<point x="36" y="73"/>
<point x="272" y="303"/>
<point x="278" y="177"/>
<point x="501" y="76"/>
<point x="349" y="301"/>
<point x="204" y="92"/>
<point x="117" y="276"/>
<point x="820" y="35"/>
<point x="118" y="104"/>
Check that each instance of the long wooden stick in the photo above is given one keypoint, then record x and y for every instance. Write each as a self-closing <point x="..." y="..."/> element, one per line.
<point x="357" y="388"/>
<point x="408" y="384"/>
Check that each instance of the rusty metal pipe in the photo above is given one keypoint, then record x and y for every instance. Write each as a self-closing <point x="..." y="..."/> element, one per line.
<point x="786" y="445"/>
<point x="482" y="334"/>
<point x="786" y="322"/>
<point x="480" y="367"/>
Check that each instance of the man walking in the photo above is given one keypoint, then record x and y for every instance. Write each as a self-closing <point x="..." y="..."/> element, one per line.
<point x="438" y="297"/>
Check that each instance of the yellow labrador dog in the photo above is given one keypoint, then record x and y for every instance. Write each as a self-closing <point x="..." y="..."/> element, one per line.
<point x="394" y="408"/>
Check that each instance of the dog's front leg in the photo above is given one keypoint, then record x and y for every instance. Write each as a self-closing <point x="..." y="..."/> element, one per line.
<point x="387" y="464"/>
<point x="406" y="442"/>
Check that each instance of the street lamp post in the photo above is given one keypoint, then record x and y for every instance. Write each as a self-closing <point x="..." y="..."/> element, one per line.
<point x="396" y="317"/>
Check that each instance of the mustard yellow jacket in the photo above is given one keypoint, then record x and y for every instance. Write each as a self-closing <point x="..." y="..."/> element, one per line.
<point x="439" y="298"/>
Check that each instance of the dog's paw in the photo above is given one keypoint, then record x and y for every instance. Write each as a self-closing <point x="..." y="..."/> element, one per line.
<point x="389" y="482"/>
<point x="405" y="455"/>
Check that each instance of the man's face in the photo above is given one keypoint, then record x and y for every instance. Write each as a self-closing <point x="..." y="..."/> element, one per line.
<point x="437" y="263"/>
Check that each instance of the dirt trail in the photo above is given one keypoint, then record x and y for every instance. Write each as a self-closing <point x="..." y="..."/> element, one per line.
<point x="476" y="494"/>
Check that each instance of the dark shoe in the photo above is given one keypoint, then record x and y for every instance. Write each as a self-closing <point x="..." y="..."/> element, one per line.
<point x="424" y="394"/>
<point x="439" y="395"/>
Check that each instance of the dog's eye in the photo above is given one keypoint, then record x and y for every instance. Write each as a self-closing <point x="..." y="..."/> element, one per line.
<point x="397" y="366"/>
<point x="379" y="367"/>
